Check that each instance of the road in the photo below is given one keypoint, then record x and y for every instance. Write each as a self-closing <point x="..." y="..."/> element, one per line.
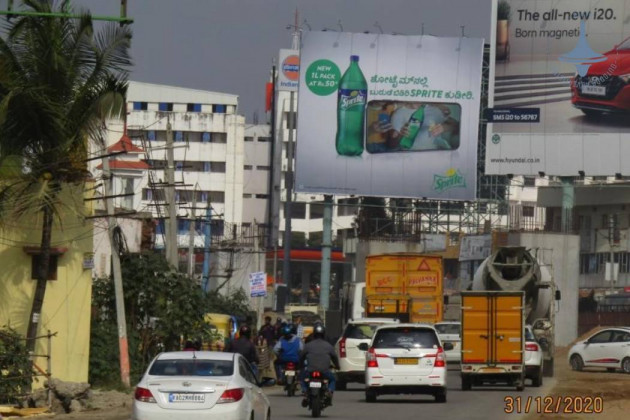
<point x="485" y="403"/>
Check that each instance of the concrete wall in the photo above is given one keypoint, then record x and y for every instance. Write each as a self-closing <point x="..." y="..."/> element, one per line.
<point x="67" y="303"/>
<point x="562" y="253"/>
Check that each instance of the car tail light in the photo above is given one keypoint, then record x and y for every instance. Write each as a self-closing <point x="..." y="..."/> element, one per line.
<point x="342" y="347"/>
<point x="440" y="358"/>
<point x="531" y="347"/>
<point x="231" y="395"/>
<point x="144" y="395"/>
<point x="370" y="358"/>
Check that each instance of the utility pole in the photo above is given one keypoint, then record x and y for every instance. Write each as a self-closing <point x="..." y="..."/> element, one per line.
<point x="207" y="231"/>
<point x="324" y="291"/>
<point x="612" y="242"/>
<point x="191" y="237"/>
<point x="172" y="255"/>
<point x="123" y="345"/>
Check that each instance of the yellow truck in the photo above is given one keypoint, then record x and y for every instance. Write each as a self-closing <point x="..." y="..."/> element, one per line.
<point x="492" y="341"/>
<point x="405" y="286"/>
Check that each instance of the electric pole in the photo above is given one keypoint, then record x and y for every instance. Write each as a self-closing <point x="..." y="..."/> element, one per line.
<point x="123" y="345"/>
<point x="170" y="244"/>
<point x="191" y="237"/>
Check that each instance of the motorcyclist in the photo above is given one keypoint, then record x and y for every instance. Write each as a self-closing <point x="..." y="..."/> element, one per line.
<point x="318" y="354"/>
<point x="287" y="349"/>
<point x="244" y="346"/>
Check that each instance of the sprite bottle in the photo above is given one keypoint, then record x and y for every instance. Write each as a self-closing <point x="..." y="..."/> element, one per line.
<point x="351" y="102"/>
<point x="413" y="126"/>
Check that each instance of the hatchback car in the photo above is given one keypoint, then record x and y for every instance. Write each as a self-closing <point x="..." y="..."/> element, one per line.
<point x="608" y="348"/>
<point x="405" y="359"/>
<point x="533" y="358"/>
<point x="351" y="359"/>
<point x="450" y="332"/>
<point x="199" y="385"/>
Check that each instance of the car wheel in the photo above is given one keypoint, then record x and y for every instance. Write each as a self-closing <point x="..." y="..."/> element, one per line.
<point x="537" y="380"/>
<point x="611" y="370"/>
<point x="268" y="415"/>
<point x="577" y="363"/>
<point x="370" y="395"/>
<point x="625" y="365"/>
<point x="440" y="398"/>
<point x="341" y="385"/>
<point x="466" y="383"/>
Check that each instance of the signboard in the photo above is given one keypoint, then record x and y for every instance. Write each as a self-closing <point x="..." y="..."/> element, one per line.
<point x="475" y="247"/>
<point x="388" y="115"/>
<point x="289" y="70"/>
<point x="568" y="59"/>
<point x="432" y="242"/>
<point x="258" y="284"/>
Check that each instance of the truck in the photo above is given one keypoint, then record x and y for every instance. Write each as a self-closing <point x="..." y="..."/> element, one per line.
<point x="515" y="268"/>
<point x="492" y="338"/>
<point x="405" y="286"/>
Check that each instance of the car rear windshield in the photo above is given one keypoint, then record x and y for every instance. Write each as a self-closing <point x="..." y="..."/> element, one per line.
<point x="192" y="367"/>
<point x="359" y="331"/>
<point x="405" y="338"/>
<point x="448" y="328"/>
<point x="528" y="335"/>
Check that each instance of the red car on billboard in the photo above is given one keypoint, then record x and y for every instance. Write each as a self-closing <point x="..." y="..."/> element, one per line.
<point x="606" y="86"/>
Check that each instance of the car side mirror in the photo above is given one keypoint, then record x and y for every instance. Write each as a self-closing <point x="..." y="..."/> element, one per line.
<point x="448" y="346"/>
<point x="267" y="382"/>
<point x="363" y="347"/>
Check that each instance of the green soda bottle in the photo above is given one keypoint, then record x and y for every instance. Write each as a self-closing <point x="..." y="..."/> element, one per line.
<point x="415" y="122"/>
<point x="351" y="102"/>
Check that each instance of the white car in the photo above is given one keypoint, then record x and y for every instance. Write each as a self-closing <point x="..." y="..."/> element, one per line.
<point x="608" y="348"/>
<point x="351" y="359"/>
<point x="533" y="358"/>
<point x="450" y="332"/>
<point x="199" y="385"/>
<point x="405" y="359"/>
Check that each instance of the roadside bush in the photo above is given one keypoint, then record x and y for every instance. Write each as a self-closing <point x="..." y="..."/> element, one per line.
<point x="16" y="369"/>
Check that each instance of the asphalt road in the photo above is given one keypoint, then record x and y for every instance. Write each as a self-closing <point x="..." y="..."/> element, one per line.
<point x="485" y="403"/>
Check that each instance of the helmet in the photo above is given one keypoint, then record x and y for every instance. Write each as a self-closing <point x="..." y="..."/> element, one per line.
<point x="319" y="331"/>
<point x="244" y="331"/>
<point x="286" y="330"/>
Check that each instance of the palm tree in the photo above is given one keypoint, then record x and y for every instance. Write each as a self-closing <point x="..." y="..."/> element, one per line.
<point x="59" y="80"/>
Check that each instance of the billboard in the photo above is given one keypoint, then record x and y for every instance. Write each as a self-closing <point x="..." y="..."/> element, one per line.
<point x="289" y="70"/>
<point x="388" y="115"/>
<point x="560" y="91"/>
<point x="258" y="284"/>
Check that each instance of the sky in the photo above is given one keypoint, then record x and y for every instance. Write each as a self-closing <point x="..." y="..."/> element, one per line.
<point x="229" y="45"/>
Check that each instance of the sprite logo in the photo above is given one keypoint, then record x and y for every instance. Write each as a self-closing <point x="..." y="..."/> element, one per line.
<point x="355" y="97"/>
<point x="496" y="139"/>
<point x="453" y="179"/>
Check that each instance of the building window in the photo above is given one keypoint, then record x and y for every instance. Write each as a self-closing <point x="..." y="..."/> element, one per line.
<point x="218" y="109"/>
<point x="528" y="211"/>
<point x="218" y="167"/>
<point x="178" y="136"/>
<point x="248" y="167"/>
<point x="249" y="139"/>
<point x="217" y="197"/>
<point x="140" y="106"/>
<point x="262" y="196"/>
<point x="193" y="107"/>
<point x="128" y="188"/>
<point x="248" y="195"/>
<point x="206" y="138"/>
<point x="219" y="138"/>
<point x="263" y="167"/>
<point x="147" y="194"/>
<point x="165" y="106"/>
<point x="298" y="210"/>
<point x="151" y="135"/>
<point x="317" y="210"/>
<point x="52" y="266"/>
<point x="179" y="166"/>
<point x="529" y="181"/>
<point x="347" y="206"/>
<point x="264" y="139"/>
<point x="206" y="166"/>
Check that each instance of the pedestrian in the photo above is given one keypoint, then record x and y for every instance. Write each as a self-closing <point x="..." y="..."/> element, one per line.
<point x="264" y="357"/>
<point x="268" y="332"/>
<point x="244" y="346"/>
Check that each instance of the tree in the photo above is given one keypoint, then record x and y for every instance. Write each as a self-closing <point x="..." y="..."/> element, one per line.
<point x="59" y="80"/>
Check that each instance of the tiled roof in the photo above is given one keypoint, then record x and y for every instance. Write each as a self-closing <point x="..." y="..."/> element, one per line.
<point x="125" y="164"/>
<point x="124" y="144"/>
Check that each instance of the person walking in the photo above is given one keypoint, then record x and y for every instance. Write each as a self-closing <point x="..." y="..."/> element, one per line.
<point x="244" y="346"/>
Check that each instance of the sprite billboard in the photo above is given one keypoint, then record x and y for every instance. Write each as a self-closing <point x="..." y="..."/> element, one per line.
<point x="388" y="115"/>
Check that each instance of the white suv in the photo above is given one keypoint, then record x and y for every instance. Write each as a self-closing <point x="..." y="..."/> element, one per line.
<point x="351" y="359"/>
<point x="405" y="359"/>
<point x="533" y="358"/>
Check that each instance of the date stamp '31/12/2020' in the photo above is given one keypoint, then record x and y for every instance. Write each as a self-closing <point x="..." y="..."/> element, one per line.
<point x="556" y="404"/>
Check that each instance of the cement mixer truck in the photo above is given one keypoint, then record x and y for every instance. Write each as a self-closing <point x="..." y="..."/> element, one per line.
<point x="512" y="270"/>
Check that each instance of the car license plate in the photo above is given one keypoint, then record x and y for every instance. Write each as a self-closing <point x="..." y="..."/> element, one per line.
<point x="315" y="385"/>
<point x="594" y="90"/>
<point x="289" y="373"/>
<point x="183" y="398"/>
<point x="406" y="361"/>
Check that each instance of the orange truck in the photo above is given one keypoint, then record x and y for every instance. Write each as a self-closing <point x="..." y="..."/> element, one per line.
<point x="492" y="338"/>
<point x="405" y="286"/>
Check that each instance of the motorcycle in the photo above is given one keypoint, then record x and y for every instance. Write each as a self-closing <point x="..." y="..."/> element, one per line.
<point x="318" y="396"/>
<point x="290" y="378"/>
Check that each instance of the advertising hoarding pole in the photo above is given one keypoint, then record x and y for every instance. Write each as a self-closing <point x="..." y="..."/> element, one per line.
<point x="324" y="292"/>
<point x="286" y="260"/>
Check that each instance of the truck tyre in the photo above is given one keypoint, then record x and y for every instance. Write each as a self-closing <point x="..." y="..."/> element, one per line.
<point x="466" y="383"/>
<point x="577" y="363"/>
<point x="520" y="383"/>
<point x="341" y="385"/>
<point x="537" y="380"/>
<point x="370" y="395"/>
<point x="625" y="365"/>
